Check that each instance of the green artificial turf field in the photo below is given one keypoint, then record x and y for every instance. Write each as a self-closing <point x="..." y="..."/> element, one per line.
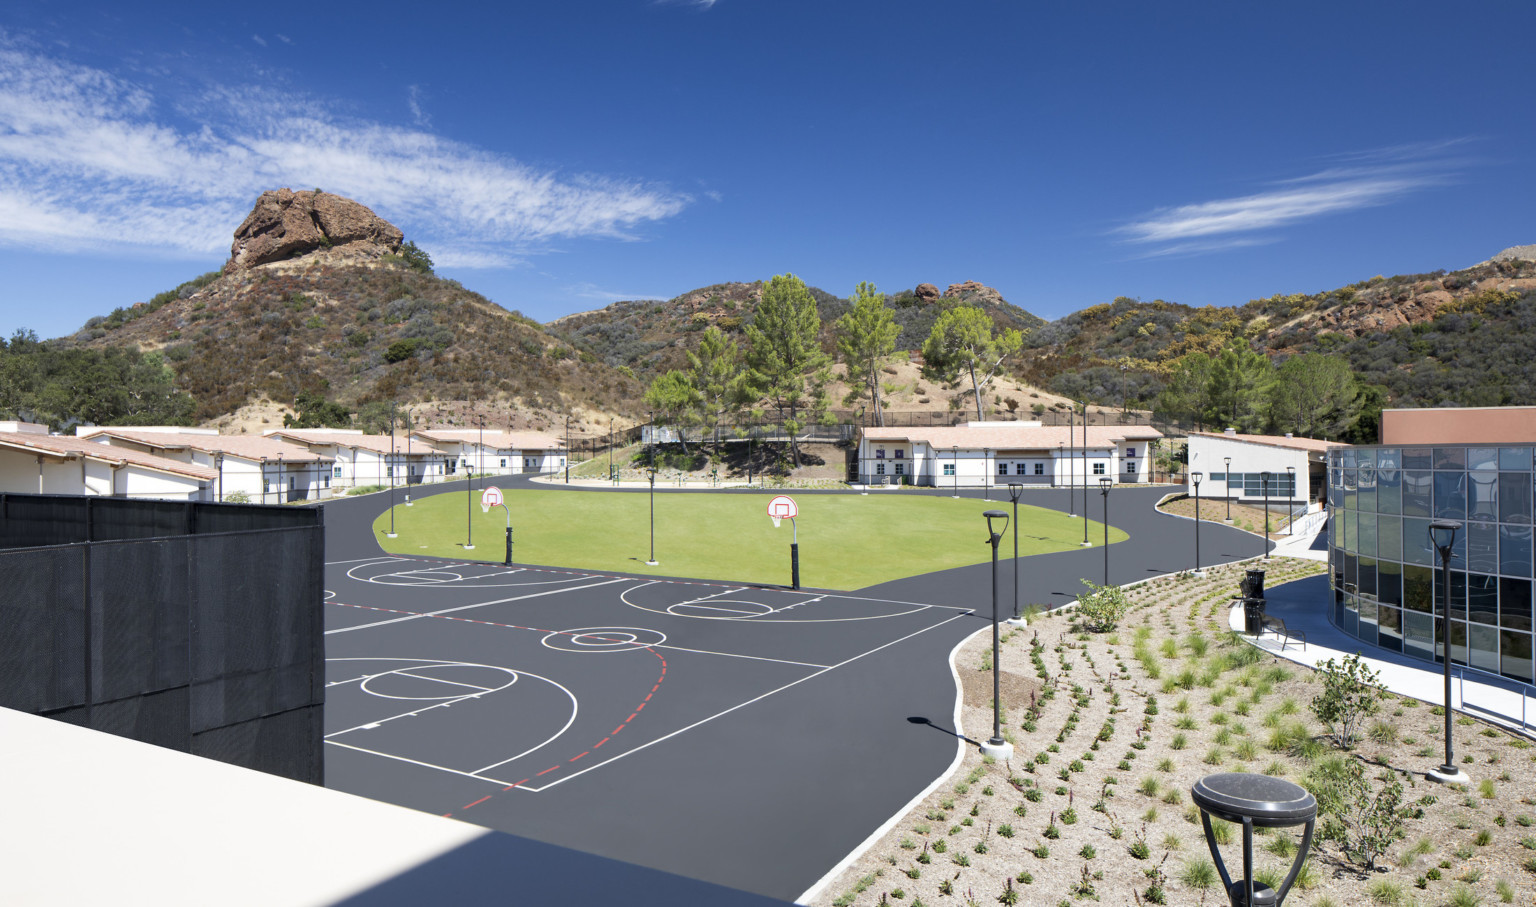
<point x="846" y="541"/>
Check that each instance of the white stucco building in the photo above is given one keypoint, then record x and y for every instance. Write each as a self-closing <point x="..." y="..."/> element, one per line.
<point x="1004" y="453"/>
<point x="497" y="452"/>
<point x="359" y="459"/>
<point x="1233" y="466"/>
<point x="33" y="461"/>
<point x="256" y="469"/>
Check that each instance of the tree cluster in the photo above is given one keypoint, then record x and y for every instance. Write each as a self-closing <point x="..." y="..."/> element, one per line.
<point x="785" y="368"/>
<point x="61" y="387"/>
<point x="1311" y="395"/>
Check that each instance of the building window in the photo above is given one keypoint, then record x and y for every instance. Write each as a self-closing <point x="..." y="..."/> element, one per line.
<point x="389" y="472"/>
<point x="1130" y="467"/>
<point x="327" y="481"/>
<point x="336" y="471"/>
<point x="901" y="469"/>
<point x="879" y="469"/>
<point x="1098" y="468"/>
<point x="503" y="462"/>
<point x="1002" y="469"/>
<point x="1039" y="469"/>
<point x="949" y="469"/>
<point x="530" y="463"/>
<point x="880" y="453"/>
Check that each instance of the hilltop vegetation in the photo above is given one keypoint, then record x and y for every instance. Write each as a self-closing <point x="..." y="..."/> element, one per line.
<point x="1412" y="340"/>
<point x="355" y="332"/>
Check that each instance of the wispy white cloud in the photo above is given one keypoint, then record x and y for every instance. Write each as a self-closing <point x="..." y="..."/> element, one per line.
<point x="592" y="291"/>
<point x="259" y="40"/>
<point x="696" y="4"/>
<point x="1361" y="180"/>
<point x="418" y="113"/>
<point x="283" y="38"/>
<point x="91" y="161"/>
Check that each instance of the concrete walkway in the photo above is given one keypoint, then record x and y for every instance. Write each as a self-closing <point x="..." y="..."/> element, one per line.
<point x="1303" y="606"/>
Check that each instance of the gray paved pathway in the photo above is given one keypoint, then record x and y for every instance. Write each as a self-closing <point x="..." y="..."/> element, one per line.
<point x="1303" y="606"/>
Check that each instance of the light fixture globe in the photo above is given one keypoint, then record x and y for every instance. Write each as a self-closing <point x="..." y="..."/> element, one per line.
<point x="1442" y="534"/>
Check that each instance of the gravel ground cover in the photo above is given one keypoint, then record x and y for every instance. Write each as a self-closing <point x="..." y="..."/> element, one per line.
<point x="1111" y="729"/>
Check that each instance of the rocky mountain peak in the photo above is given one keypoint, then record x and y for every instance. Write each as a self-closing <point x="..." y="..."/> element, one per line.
<point x="285" y="224"/>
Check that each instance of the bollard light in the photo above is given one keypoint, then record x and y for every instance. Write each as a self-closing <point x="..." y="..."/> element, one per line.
<point x="1254" y="801"/>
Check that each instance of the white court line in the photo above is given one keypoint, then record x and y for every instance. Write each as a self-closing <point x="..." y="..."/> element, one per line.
<point x="441" y="680"/>
<point x="499" y="601"/>
<point x="361" y="560"/>
<point x="740" y="706"/>
<point x="735" y="611"/>
<point x="411" y="714"/>
<point x="782" y="661"/>
<point x="441" y="768"/>
<point x="895" y="601"/>
<point x="518" y="675"/>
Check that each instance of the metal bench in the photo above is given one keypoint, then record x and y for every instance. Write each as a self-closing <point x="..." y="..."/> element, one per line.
<point x="1287" y="636"/>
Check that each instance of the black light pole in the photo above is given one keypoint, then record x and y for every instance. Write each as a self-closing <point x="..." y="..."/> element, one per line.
<point x="1086" y="543"/>
<point x="1104" y="484"/>
<point x="1014" y="491"/>
<point x="1442" y="534"/>
<point x="986" y="477"/>
<point x="1264" y="480"/>
<point x="652" y="561"/>
<point x="996" y="747"/>
<point x="1228" y="461"/>
<point x="1196" y="476"/>
<point x="1290" y="523"/>
<point x="954" y="456"/>
<point x="409" y="426"/>
<point x="392" y="472"/>
<point x="1071" y="454"/>
<point x="1085" y="473"/>
<point x="567" y="450"/>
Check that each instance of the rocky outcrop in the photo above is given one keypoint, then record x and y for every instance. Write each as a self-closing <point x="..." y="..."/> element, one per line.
<point x="927" y="292"/>
<point x="285" y="224"/>
<point x="1514" y="253"/>
<point x="971" y="291"/>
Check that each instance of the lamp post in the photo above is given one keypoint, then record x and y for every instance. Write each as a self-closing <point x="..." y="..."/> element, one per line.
<point x="986" y="476"/>
<point x="1104" y="484"/>
<point x="1086" y="543"/>
<point x="391" y="533"/>
<point x="1064" y="461"/>
<point x="1196" y="476"/>
<point x="1264" y="480"/>
<point x="1014" y="490"/>
<point x="996" y="747"/>
<point x="1290" y="522"/>
<point x="954" y="455"/>
<point x="1442" y="534"/>
<point x="1228" y="474"/>
<point x="652" y="562"/>
<point x="409" y="426"/>
<point x="1085" y="473"/>
<point x="567" y="450"/>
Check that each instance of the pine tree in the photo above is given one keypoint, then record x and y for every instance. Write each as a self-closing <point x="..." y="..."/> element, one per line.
<point x="866" y="337"/>
<point x="788" y="366"/>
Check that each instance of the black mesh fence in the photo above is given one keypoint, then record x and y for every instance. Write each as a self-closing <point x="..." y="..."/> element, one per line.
<point x="35" y="520"/>
<point x="210" y="643"/>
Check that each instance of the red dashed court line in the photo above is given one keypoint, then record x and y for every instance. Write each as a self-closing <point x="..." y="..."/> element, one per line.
<point x="491" y="623"/>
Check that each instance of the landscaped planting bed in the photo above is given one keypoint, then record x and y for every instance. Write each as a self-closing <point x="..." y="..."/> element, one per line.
<point x="1110" y="731"/>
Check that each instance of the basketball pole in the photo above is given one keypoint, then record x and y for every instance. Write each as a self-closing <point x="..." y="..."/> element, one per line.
<point x="794" y="555"/>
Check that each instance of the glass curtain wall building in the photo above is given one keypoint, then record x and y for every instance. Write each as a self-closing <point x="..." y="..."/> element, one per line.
<point x="1386" y="576"/>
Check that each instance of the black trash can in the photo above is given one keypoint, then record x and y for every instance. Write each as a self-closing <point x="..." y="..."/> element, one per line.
<point x="1253" y="615"/>
<point x="1253" y="585"/>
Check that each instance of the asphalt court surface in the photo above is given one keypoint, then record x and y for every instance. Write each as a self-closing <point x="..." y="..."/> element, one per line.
<point x="464" y="682"/>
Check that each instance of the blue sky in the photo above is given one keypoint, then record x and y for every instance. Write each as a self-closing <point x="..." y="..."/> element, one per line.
<point x="558" y="156"/>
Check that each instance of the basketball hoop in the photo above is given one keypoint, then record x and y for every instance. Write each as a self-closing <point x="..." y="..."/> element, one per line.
<point x="775" y="522"/>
